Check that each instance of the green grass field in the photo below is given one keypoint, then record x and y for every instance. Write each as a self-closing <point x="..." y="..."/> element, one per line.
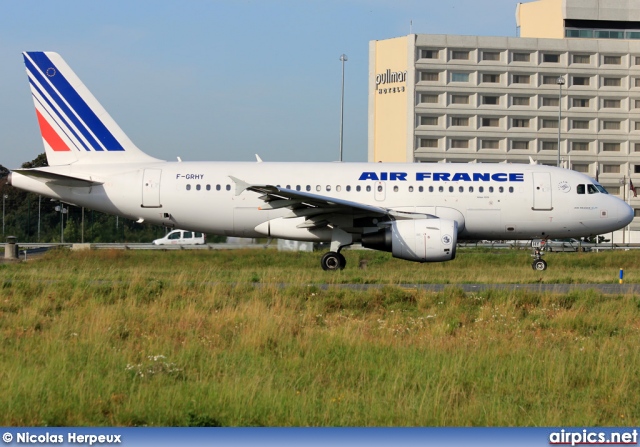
<point x="247" y="338"/>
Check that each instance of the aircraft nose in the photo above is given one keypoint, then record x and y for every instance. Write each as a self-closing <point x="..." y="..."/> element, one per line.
<point x="625" y="213"/>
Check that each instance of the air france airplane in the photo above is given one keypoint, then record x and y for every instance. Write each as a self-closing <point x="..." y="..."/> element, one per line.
<point x="416" y="211"/>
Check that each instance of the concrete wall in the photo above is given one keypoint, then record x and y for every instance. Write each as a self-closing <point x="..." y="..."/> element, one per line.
<point x="388" y="97"/>
<point x="543" y="18"/>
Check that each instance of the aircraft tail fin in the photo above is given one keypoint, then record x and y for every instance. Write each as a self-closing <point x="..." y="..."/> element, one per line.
<point x="75" y="128"/>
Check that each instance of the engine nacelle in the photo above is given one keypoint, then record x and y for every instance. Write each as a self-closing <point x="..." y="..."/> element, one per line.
<point x="420" y="240"/>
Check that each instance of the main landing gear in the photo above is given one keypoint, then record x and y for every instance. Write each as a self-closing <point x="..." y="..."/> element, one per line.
<point x="333" y="260"/>
<point x="538" y="263"/>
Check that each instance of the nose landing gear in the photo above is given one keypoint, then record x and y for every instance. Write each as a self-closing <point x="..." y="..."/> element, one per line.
<point x="538" y="263"/>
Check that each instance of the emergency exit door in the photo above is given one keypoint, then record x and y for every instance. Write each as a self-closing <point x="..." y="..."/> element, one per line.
<point x="151" y="188"/>
<point x="542" y="191"/>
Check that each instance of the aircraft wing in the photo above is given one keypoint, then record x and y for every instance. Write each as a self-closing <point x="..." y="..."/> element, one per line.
<point x="302" y="203"/>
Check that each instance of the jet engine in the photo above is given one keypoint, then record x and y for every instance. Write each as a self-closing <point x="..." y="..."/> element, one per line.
<point x="420" y="240"/>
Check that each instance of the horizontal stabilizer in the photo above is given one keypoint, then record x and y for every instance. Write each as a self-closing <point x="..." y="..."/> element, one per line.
<point x="58" y="179"/>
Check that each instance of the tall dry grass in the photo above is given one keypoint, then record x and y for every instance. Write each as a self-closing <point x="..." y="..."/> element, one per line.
<point x="246" y="339"/>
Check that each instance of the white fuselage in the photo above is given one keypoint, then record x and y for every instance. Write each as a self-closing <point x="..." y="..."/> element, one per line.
<point x="488" y="201"/>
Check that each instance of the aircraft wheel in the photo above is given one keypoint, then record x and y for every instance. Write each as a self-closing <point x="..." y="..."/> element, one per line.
<point x="332" y="261"/>
<point x="539" y="264"/>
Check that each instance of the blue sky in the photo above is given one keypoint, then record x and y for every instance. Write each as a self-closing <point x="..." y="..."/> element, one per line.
<point x="221" y="80"/>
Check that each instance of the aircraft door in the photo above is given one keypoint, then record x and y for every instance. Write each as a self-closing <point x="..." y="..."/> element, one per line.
<point x="151" y="188"/>
<point x="380" y="191"/>
<point x="542" y="191"/>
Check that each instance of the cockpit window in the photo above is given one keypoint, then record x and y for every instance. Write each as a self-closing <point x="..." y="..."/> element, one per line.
<point x="601" y="189"/>
<point x="592" y="189"/>
<point x="580" y="189"/>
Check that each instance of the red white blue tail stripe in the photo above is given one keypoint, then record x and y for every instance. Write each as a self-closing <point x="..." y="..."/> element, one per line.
<point x="66" y="121"/>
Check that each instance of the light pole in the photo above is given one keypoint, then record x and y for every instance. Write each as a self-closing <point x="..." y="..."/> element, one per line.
<point x="4" y="196"/>
<point x="39" y="205"/>
<point x="343" y="59"/>
<point x="560" y="82"/>
<point x="62" y="210"/>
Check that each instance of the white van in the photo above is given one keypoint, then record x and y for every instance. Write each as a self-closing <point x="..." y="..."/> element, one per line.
<point x="181" y="237"/>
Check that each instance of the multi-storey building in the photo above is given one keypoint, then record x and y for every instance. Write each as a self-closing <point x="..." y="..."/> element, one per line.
<point x="461" y="99"/>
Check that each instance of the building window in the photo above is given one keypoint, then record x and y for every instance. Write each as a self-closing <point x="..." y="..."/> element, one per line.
<point x="490" y="77"/>
<point x="611" y="147"/>
<point x="519" y="144"/>
<point x="611" y="169"/>
<point x="580" y="167"/>
<point x="429" y="76"/>
<point x="520" y="100"/>
<point x="459" y="144"/>
<point x="612" y="60"/>
<point x="580" y="146"/>
<point x="637" y="60"/>
<point x="490" y="144"/>
<point x="459" y="77"/>
<point x="636" y="82"/>
<point x="636" y="147"/>
<point x="459" y="121"/>
<point x="613" y="190"/>
<point x="490" y="122"/>
<point x="551" y="58"/>
<point x="490" y="100"/>
<point x="521" y="79"/>
<point x="428" y="142"/>
<point x="549" y="79"/>
<point x="549" y="123"/>
<point x="459" y="99"/>
<point x="549" y="145"/>
<point x="430" y="54"/>
<point x="490" y="56"/>
<point x="428" y="99"/>
<point x="612" y="82"/>
<point x="519" y="122"/>
<point x="428" y="120"/>
<point x="460" y="55"/>
<point x="579" y="80"/>
<point x="549" y="101"/>
<point x="610" y="125"/>
<point x="579" y="124"/>
<point x="636" y="125"/>
<point x="581" y="59"/>
<point x="636" y="169"/>
<point x="636" y="212"/>
<point x="521" y="57"/>
<point x="611" y="103"/>
<point x="580" y="102"/>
